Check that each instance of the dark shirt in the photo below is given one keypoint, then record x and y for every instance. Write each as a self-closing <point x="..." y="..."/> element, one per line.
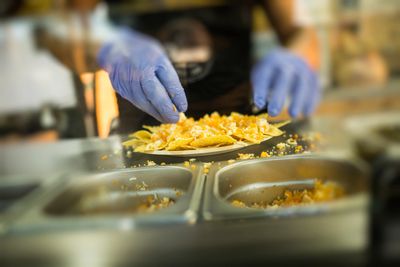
<point x="222" y="82"/>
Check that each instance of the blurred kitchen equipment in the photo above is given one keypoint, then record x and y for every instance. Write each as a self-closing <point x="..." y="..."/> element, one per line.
<point x="377" y="141"/>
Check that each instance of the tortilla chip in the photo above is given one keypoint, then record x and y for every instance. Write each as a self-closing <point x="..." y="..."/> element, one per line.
<point x="179" y="144"/>
<point x="141" y="148"/>
<point x="273" y="131"/>
<point x="213" y="141"/>
<point x="133" y="143"/>
<point x="141" y="135"/>
<point x="212" y="130"/>
<point x="151" y="129"/>
<point x="281" y="124"/>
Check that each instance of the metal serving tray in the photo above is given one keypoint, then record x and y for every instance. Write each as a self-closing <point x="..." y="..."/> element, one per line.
<point x="258" y="179"/>
<point x="376" y="134"/>
<point x="16" y="195"/>
<point x="110" y="200"/>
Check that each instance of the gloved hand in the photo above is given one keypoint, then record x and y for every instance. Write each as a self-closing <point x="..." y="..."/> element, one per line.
<point x="141" y="72"/>
<point x="280" y="74"/>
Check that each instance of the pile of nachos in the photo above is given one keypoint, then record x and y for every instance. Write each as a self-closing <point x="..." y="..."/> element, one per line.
<point x="213" y="130"/>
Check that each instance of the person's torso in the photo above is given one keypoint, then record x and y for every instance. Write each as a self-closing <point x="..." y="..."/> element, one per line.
<point x="209" y="47"/>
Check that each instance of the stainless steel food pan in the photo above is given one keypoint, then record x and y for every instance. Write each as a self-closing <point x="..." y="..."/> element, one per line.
<point x="17" y="193"/>
<point x="263" y="179"/>
<point x="112" y="199"/>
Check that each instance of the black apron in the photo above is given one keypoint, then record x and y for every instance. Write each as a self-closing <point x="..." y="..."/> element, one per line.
<point x="220" y="84"/>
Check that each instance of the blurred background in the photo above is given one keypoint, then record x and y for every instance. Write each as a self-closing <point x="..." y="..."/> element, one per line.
<point x="43" y="100"/>
<point x="59" y="116"/>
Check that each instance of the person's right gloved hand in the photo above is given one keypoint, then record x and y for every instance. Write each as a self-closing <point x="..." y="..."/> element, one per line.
<point x="141" y="72"/>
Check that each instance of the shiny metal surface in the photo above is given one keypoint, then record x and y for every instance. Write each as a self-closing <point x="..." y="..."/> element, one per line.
<point x="340" y="220"/>
<point x="35" y="238"/>
<point x="376" y="134"/>
<point x="266" y="191"/>
<point x="240" y="181"/>
<point x="110" y="200"/>
<point x="44" y="159"/>
<point x="122" y="192"/>
<point x="120" y="239"/>
<point x="17" y="195"/>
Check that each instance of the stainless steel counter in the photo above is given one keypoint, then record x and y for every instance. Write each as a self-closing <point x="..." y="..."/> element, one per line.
<point x="328" y="237"/>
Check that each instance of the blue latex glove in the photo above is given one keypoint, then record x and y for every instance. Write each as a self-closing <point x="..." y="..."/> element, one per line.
<point x="141" y="72"/>
<point x="281" y="74"/>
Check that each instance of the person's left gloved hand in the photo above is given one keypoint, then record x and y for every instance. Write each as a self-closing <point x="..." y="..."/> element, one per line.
<point x="280" y="74"/>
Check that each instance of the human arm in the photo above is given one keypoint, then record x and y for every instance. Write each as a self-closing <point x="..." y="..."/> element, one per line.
<point x="289" y="71"/>
<point x="138" y="66"/>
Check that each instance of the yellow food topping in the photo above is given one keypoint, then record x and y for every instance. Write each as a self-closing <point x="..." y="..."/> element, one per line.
<point x="322" y="192"/>
<point x="245" y="156"/>
<point x="151" y="163"/>
<point x="209" y="131"/>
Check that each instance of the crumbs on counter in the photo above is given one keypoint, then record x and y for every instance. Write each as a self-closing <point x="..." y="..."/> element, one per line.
<point x="207" y="166"/>
<point x="281" y="146"/>
<point x="245" y="156"/>
<point x="187" y="164"/>
<point x="291" y="141"/>
<point x="264" y="154"/>
<point x="151" y="163"/>
<point x="298" y="149"/>
<point x="296" y="144"/>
